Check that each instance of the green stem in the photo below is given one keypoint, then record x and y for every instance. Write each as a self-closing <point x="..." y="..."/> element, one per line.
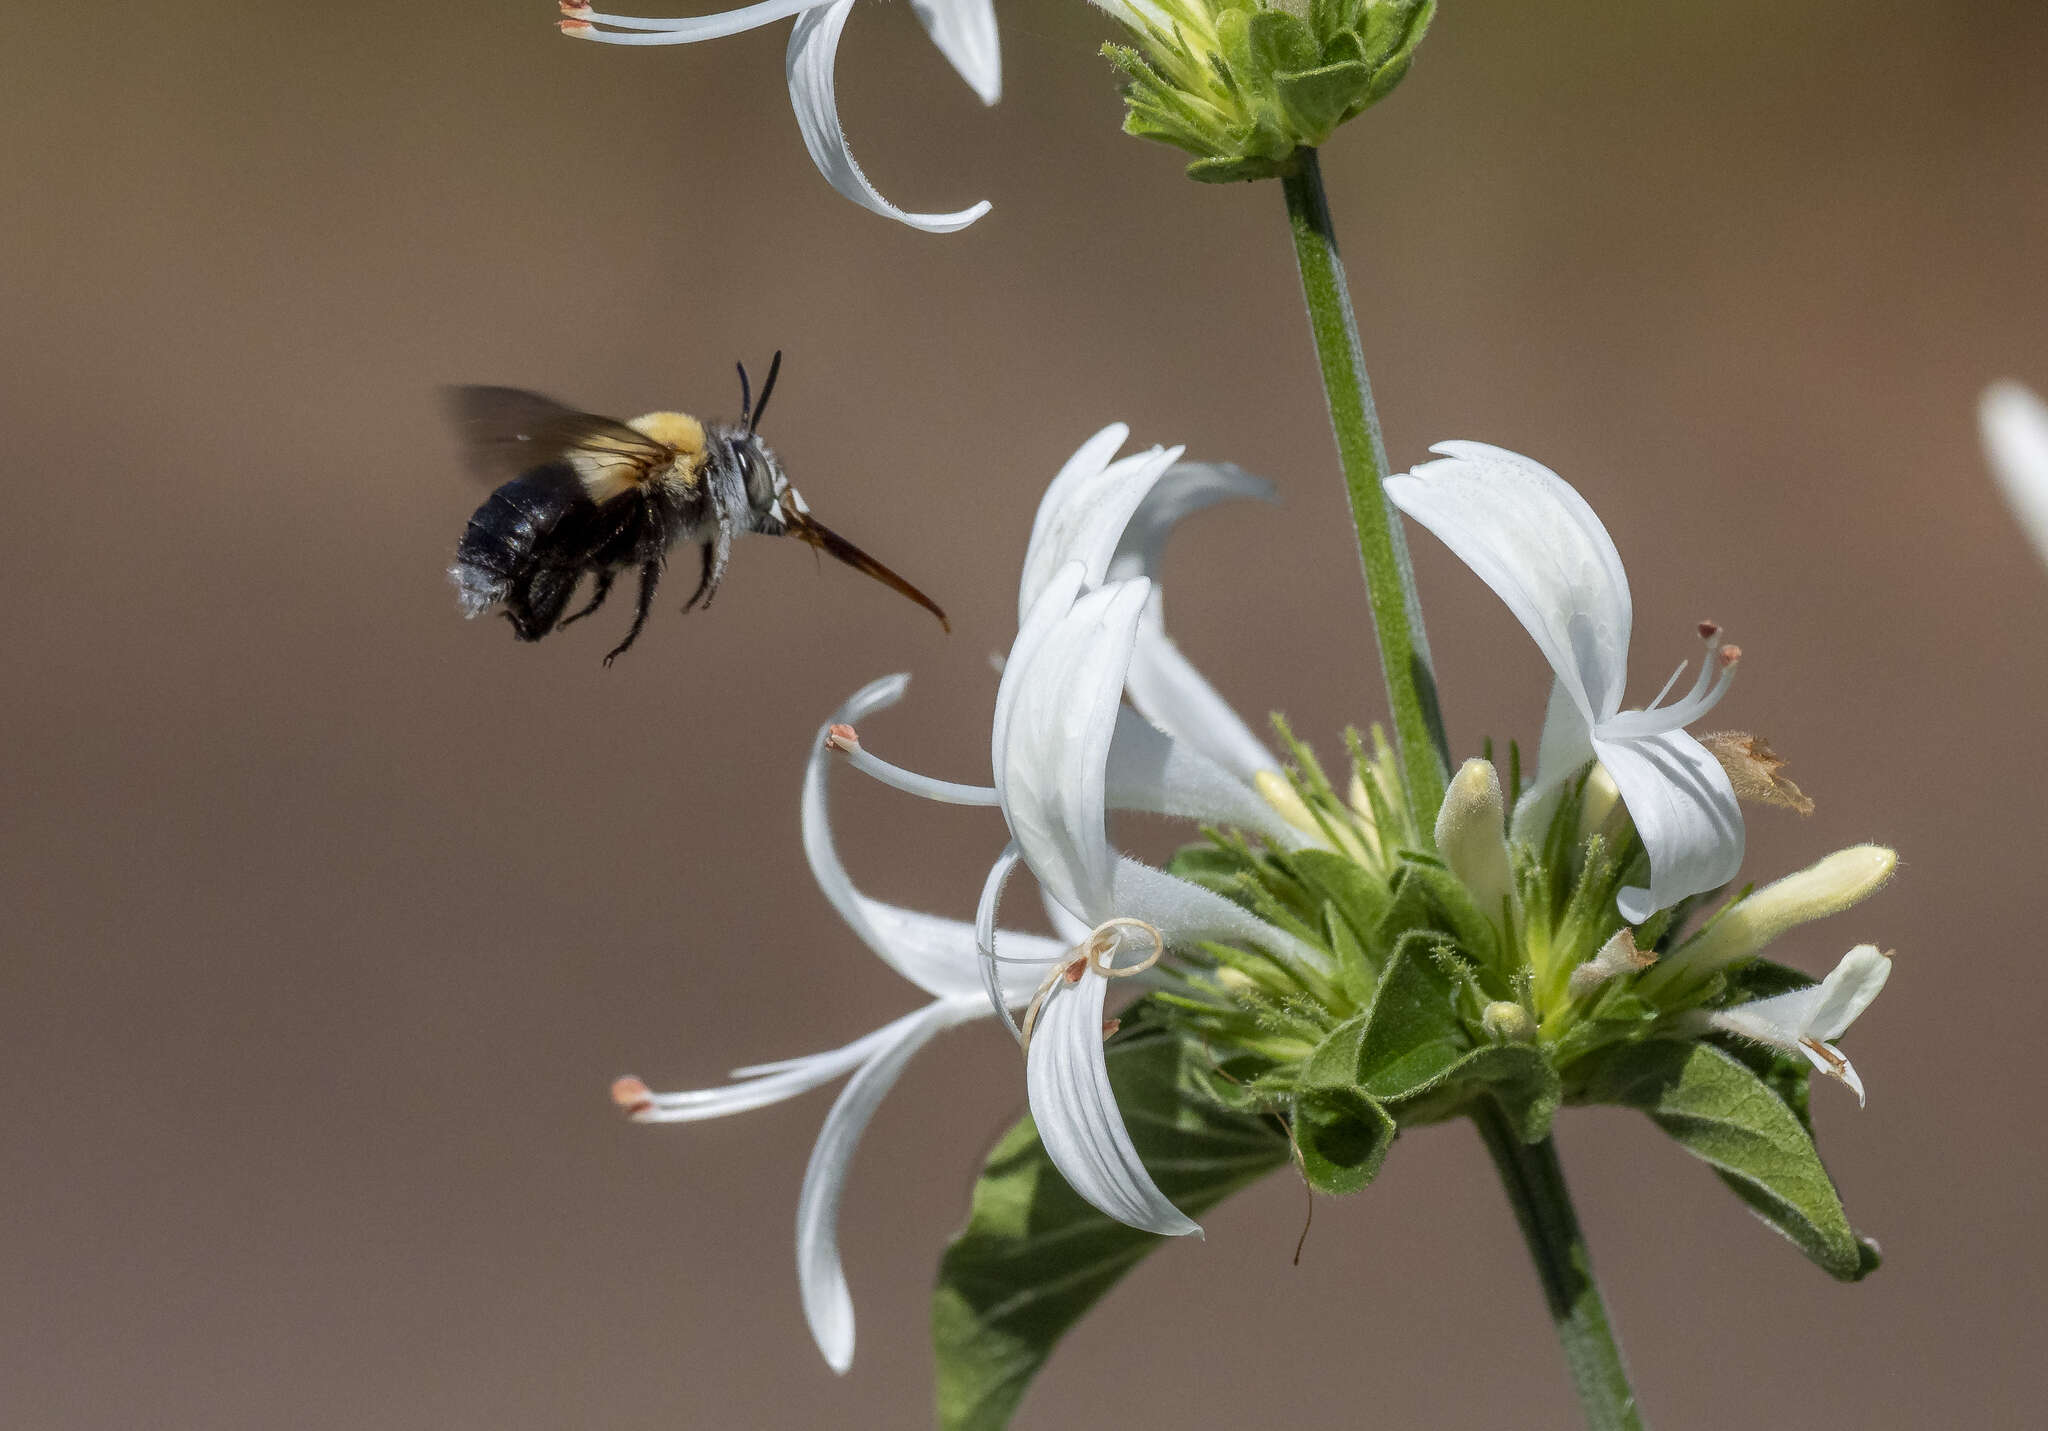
<point x="1534" y="1181"/>
<point x="1396" y="614"/>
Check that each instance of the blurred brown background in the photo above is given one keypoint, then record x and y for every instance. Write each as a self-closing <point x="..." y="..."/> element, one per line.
<point x="328" y="916"/>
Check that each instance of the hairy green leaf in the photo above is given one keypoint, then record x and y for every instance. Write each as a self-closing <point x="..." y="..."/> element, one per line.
<point x="1034" y="1257"/>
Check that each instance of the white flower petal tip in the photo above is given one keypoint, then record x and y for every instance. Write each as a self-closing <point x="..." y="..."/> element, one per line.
<point x="965" y="32"/>
<point x="2014" y="424"/>
<point x="1075" y="1109"/>
<point x="1808" y="1021"/>
<point x="813" y="52"/>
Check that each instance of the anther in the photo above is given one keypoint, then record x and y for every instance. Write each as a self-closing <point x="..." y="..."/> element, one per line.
<point x="1709" y="630"/>
<point x="632" y="1095"/>
<point x="577" y="29"/>
<point x="1109" y="1028"/>
<point x="842" y="737"/>
<point x="1728" y="656"/>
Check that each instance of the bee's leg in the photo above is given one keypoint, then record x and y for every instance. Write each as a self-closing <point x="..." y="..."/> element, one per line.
<point x="716" y="554"/>
<point x="650" y="576"/>
<point x="535" y="599"/>
<point x="703" y="582"/>
<point x="605" y="577"/>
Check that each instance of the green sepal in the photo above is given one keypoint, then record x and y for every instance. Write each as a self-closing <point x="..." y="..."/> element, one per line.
<point x="1717" y="1107"/>
<point x="1343" y="1137"/>
<point x="1317" y="100"/>
<point x="1361" y="899"/>
<point x="1428" y="896"/>
<point x="1034" y="1257"/>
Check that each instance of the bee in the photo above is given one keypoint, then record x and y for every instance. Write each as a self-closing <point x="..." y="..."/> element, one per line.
<point x="591" y="494"/>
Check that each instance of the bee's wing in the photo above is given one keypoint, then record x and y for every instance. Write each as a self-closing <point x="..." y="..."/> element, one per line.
<point x="806" y="528"/>
<point x="508" y="431"/>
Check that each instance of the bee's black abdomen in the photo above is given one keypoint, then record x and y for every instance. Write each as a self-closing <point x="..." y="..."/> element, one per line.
<point x="497" y="550"/>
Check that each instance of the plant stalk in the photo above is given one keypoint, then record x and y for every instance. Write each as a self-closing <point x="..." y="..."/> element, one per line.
<point x="1389" y="581"/>
<point x="1534" y="1181"/>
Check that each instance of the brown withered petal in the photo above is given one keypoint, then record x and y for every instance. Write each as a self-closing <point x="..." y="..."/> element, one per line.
<point x="1753" y="768"/>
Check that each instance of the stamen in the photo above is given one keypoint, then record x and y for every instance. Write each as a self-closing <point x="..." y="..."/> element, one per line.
<point x="1658" y="699"/>
<point x="1835" y="1061"/>
<point x="681" y="31"/>
<point x="845" y="740"/>
<point x="1098" y="953"/>
<point x="632" y="1095"/>
<point x="1716" y="673"/>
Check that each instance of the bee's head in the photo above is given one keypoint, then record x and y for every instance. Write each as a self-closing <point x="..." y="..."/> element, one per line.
<point x="773" y="501"/>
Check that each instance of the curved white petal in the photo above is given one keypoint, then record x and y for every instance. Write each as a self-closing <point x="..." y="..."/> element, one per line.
<point x="813" y="46"/>
<point x="1566" y="746"/>
<point x="1067" y="925"/>
<point x="939" y="955"/>
<point x="1186" y="913"/>
<point x="1186" y="488"/>
<point x="1083" y="515"/>
<point x="1046" y="612"/>
<point x="1149" y="770"/>
<point x="689" y="30"/>
<point x="1848" y="990"/>
<point x="1529" y="536"/>
<point x="1684" y="808"/>
<point x="1057" y="708"/>
<point x="761" y="1084"/>
<point x="827" y="1306"/>
<point x="965" y="32"/>
<point x="2015" y="427"/>
<point x="1087" y="463"/>
<point x="1075" y="1109"/>
<point x="1163" y="683"/>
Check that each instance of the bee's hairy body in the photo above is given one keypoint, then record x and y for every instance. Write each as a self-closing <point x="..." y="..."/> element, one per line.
<point x="593" y="495"/>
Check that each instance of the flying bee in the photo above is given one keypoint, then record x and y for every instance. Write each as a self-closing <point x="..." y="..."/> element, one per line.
<point x="590" y="494"/>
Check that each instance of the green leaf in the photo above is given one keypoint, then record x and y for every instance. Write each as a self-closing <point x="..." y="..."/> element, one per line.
<point x="1343" y="1136"/>
<point x="1034" y="1257"/>
<point x="1518" y="1076"/>
<point x="1412" y="1034"/>
<point x="1724" y="1114"/>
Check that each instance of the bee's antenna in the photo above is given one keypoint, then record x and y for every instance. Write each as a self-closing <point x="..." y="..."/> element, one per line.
<point x="767" y="388"/>
<point x="747" y="399"/>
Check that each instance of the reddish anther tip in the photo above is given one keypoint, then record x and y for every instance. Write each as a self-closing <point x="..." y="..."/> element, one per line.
<point x="573" y="27"/>
<point x="1073" y="972"/>
<point x="1110" y="1026"/>
<point x="1709" y="630"/>
<point x="1729" y="655"/>
<point x="574" y="10"/>
<point x="842" y="737"/>
<point x="632" y="1095"/>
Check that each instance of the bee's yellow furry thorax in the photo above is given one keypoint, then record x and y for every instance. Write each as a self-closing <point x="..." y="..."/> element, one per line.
<point x="677" y="429"/>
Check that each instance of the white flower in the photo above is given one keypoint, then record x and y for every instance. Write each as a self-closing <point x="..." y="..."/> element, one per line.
<point x="1065" y="750"/>
<point x="964" y="31"/>
<point x="2015" y="427"/>
<point x="1534" y="540"/>
<point x="1809" y="1020"/>
<point x="936" y="954"/>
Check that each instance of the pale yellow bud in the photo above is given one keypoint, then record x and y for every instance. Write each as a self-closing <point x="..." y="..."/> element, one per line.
<point x="1510" y="1023"/>
<point x="1274" y="789"/>
<point x="1844" y="878"/>
<point x="1598" y="800"/>
<point x="1471" y="834"/>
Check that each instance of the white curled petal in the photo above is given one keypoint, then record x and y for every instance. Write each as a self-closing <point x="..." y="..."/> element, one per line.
<point x="1529" y="536"/>
<point x="813" y="47"/>
<point x="1075" y="1110"/>
<point x="1848" y="990"/>
<point x="2014" y="423"/>
<point x="1047" y="610"/>
<point x="1835" y="1064"/>
<point x="1186" y="488"/>
<point x="765" y="1083"/>
<point x="1062" y="704"/>
<point x="1566" y="746"/>
<point x="827" y="1306"/>
<point x="1149" y="770"/>
<point x="689" y="30"/>
<point x="1087" y="464"/>
<point x="1683" y="807"/>
<point x="965" y="32"/>
<point x="1068" y="926"/>
<point x="1165" y="686"/>
<point x="1083" y="517"/>
<point x="1188" y="914"/>
<point x="939" y="955"/>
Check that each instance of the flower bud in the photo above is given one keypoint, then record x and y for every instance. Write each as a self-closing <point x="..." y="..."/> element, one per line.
<point x="1508" y="1022"/>
<point x="1597" y="801"/>
<point x="1844" y="878"/>
<point x="1471" y="834"/>
<point x="1243" y="84"/>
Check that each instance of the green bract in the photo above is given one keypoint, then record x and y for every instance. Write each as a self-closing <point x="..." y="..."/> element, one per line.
<point x="1243" y="84"/>
<point x="1435" y="1004"/>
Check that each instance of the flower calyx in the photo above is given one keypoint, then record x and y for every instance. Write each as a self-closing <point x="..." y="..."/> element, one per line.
<point x="1243" y="85"/>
